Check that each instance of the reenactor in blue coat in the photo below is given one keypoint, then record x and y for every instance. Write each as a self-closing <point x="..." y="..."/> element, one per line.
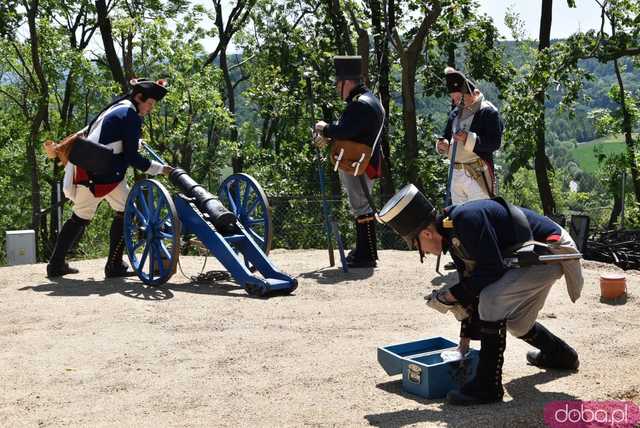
<point x="119" y="128"/>
<point x="493" y="294"/>
<point x="361" y="122"/>
<point x="475" y="124"/>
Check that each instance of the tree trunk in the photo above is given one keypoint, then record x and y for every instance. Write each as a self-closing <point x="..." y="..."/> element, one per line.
<point x="409" y="57"/>
<point x="32" y="162"/>
<point x="38" y="119"/>
<point x="615" y="212"/>
<point x="340" y="28"/>
<point x="451" y="55"/>
<point x="626" y="126"/>
<point x="237" y="162"/>
<point x="409" y="65"/>
<point x="127" y="57"/>
<point x="381" y="44"/>
<point x="362" y="47"/>
<point x="541" y="162"/>
<point x="107" y="39"/>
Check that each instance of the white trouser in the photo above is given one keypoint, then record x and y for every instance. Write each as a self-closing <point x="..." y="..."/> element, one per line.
<point x="85" y="203"/>
<point x="464" y="188"/>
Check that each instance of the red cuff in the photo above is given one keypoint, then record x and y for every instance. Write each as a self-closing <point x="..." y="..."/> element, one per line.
<point x="553" y="238"/>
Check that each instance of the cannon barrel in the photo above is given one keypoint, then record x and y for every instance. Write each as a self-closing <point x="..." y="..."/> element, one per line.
<point x="223" y="219"/>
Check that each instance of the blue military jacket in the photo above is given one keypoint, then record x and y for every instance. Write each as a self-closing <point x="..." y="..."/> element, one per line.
<point x="488" y="127"/>
<point x="485" y="231"/>
<point x="119" y="127"/>
<point x="361" y="122"/>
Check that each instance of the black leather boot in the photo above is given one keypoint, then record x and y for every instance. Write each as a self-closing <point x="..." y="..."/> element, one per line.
<point x="69" y="235"/>
<point x="553" y="353"/>
<point x="354" y="252"/>
<point x="373" y="238"/>
<point x="364" y="255"/>
<point x="486" y="386"/>
<point x="115" y="267"/>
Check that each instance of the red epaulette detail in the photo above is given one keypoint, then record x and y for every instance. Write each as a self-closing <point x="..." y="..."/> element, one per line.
<point x="553" y="238"/>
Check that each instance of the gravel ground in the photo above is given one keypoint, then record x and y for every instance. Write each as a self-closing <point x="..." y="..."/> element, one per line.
<point x="83" y="351"/>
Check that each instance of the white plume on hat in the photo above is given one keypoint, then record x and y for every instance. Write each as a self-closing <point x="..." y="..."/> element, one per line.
<point x="450" y="70"/>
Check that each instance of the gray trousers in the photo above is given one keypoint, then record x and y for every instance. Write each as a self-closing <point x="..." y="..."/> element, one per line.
<point x="357" y="198"/>
<point x="518" y="296"/>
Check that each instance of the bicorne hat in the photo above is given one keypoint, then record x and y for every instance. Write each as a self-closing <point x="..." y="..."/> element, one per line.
<point x="458" y="82"/>
<point x="150" y="89"/>
<point x="348" y="67"/>
<point x="407" y="213"/>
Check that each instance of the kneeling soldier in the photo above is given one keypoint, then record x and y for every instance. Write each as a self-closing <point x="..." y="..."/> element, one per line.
<point x="494" y="294"/>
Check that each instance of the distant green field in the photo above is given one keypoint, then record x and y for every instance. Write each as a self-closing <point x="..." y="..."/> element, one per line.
<point x="583" y="153"/>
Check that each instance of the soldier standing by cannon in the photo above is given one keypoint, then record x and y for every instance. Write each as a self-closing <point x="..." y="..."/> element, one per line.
<point x="118" y="128"/>
<point x="356" y="152"/>
<point x="504" y="280"/>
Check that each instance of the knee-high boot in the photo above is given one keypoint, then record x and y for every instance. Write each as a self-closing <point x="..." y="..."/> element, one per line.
<point x="486" y="386"/>
<point x="553" y="353"/>
<point x="365" y="253"/>
<point x="69" y="235"/>
<point x="115" y="267"/>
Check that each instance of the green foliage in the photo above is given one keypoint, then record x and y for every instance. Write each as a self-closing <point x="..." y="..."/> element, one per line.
<point x="587" y="154"/>
<point x="282" y="42"/>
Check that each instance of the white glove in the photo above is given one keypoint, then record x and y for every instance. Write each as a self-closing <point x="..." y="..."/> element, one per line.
<point x="436" y="301"/>
<point x="319" y="127"/>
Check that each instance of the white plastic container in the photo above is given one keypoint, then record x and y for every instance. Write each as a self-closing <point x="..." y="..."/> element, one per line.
<point x="21" y="247"/>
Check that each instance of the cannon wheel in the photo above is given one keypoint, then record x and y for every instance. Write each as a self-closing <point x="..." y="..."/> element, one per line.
<point x="152" y="232"/>
<point x="242" y="194"/>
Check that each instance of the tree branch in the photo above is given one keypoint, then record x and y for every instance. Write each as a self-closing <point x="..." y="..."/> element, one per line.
<point x="426" y="24"/>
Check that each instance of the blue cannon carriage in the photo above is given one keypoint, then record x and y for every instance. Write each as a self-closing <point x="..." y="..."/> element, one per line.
<point x="239" y="234"/>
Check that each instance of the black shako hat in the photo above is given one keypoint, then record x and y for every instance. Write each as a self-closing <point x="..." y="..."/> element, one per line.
<point x="348" y="67"/>
<point x="407" y="213"/>
<point x="150" y="89"/>
<point x="458" y="82"/>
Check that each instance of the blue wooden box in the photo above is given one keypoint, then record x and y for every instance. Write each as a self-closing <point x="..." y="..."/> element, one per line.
<point x="424" y="372"/>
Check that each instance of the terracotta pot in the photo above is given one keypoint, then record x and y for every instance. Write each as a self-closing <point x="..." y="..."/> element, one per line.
<point x="612" y="285"/>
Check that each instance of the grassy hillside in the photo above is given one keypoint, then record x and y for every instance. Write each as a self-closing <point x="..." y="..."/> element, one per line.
<point x="584" y="155"/>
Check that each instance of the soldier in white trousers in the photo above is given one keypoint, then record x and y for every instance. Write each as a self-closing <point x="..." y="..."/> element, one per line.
<point x="476" y="126"/>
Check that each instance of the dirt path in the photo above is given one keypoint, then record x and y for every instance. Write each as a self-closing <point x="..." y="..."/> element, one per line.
<point x="89" y="352"/>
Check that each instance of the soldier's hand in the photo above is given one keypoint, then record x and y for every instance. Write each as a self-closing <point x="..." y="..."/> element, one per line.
<point x="319" y="127"/>
<point x="318" y="140"/>
<point x="463" y="346"/>
<point x="442" y="146"/>
<point x="443" y="301"/>
<point x="167" y="169"/>
<point x="460" y="136"/>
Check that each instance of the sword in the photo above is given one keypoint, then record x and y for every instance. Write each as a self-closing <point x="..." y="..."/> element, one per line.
<point x="530" y="258"/>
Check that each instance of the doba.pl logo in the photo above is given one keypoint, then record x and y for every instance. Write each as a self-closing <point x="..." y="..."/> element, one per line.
<point x="587" y="414"/>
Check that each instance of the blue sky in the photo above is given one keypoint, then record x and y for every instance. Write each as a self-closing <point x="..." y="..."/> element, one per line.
<point x="565" y="21"/>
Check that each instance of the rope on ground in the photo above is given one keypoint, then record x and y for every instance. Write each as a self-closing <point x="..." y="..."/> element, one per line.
<point x="211" y="277"/>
